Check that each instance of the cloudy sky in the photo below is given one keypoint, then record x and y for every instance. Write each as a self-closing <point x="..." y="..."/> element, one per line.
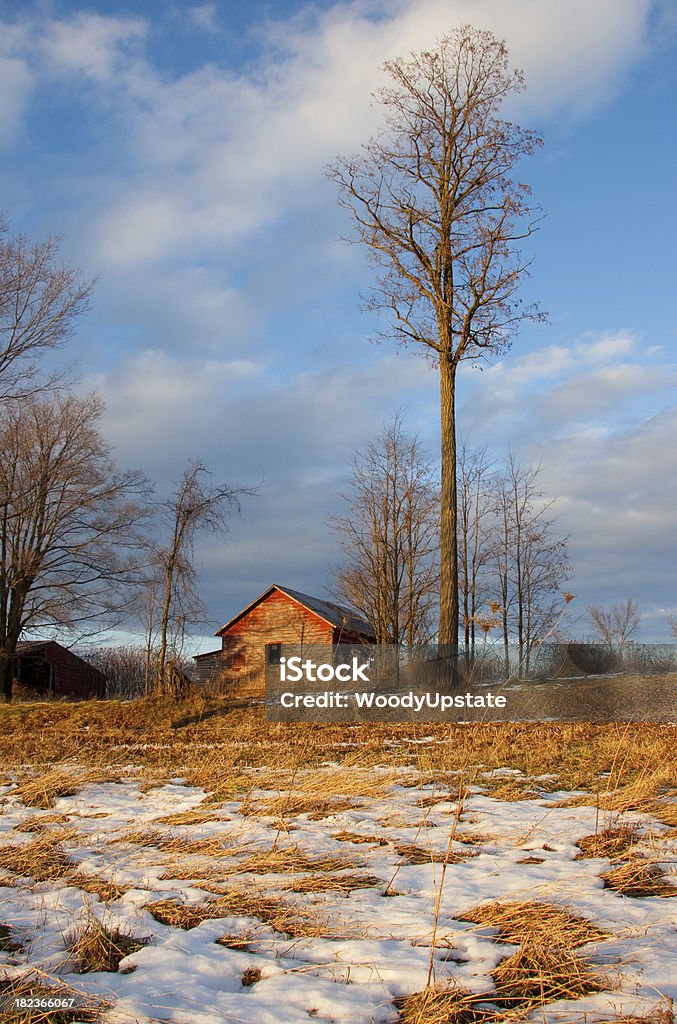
<point x="179" y="151"/>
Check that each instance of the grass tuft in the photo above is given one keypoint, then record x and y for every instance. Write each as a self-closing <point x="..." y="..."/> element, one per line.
<point x="95" y="947"/>
<point x="234" y="902"/>
<point x="341" y="884"/>
<point x="638" y="878"/>
<point x="523" y="921"/>
<point x="194" y="817"/>
<point x="315" y="807"/>
<point x="106" y="891"/>
<point x="609" y="843"/>
<point x="412" y="853"/>
<point x="42" y="859"/>
<point x="356" y="837"/>
<point x="39" y="822"/>
<point x="540" y="972"/>
<point x="65" y="780"/>
<point x="442" y="1006"/>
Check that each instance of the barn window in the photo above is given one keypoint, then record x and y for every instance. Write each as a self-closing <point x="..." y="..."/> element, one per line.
<point x="273" y="654"/>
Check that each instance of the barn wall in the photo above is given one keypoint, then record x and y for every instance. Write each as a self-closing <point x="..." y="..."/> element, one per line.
<point x="73" y="677"/>
<point x="276" y="619"/>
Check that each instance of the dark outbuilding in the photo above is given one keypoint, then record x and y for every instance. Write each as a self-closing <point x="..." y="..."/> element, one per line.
<point x="44" y="668"/>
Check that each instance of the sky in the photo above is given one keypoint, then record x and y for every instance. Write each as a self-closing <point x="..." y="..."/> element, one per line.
<point x="178" y="150"/>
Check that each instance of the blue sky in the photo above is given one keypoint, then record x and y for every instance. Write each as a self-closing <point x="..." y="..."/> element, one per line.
<point x="179" y="151"/>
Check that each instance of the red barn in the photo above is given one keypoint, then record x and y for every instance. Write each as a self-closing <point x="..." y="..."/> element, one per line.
<point x="43" y="668"/>
<point x="254" y="638"/>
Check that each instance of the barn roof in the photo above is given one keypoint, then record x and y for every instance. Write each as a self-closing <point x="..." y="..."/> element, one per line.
<point x="334" y="614"/>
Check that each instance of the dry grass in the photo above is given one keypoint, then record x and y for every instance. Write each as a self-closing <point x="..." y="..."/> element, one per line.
<point x="241" y="943"/>
<point x="663" y="810"/>
<point x="106" y="891"/>
<point x="233" y="902"/>
<point x="42" y="821"/>
<point x="282" y="861"/>
<point x="43" y="789"/>
<point x="413" y="853"/>
<point x="609" y="842"/>
<point x="210" y="738"/>
<point x="213" y="846"/>
<point x="652" y="792"/>
<point x="340" y="884"/>
<point x="540" y="972"/>
<point x="510" y="791"/>
<point x="443" y="1006"/>
<point x="194" y="817"/>
<point x="314" y="806"/>
<point x="192" y="872"/>
<point x="42" y="858"/>
<point x="86" y="1009"/>
<point x="97" y="947"/>
<point x="286" y="860"/>
<point x="356" y="837"/>
<point x="250" y="976"/>
<point x="638" y="878"/>
<point x="525" y="921"/>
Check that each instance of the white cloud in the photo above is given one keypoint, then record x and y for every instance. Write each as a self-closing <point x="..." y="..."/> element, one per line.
<point x="222" y="154"/>
<point x="16" y="86"/>
<point x="89" y="44"/>
<point x="203" y="16"/>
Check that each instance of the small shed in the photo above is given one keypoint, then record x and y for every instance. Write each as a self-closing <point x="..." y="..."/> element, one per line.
<point x="254" y="638"/>
<point x="47" y="669"/>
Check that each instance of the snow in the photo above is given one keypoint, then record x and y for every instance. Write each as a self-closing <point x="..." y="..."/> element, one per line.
<point x="373" y="948"/>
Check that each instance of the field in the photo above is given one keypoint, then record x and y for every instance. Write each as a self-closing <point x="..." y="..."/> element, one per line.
<point x="187" y="862"/>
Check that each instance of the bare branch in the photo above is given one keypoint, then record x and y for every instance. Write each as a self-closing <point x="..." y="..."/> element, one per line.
<point x="40" y="301"/>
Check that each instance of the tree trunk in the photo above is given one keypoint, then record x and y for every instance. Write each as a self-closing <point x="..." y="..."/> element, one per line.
<point x="6" y="674"/>
<point x="164" y="629"/>
<point x="448" y="632"/>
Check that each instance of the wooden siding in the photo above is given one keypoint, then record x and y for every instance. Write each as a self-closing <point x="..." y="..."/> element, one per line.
<point x="276" y="620"/>
<point x="276" y="617"/>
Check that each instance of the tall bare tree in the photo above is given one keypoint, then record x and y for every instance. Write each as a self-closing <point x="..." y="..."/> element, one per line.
<point x="68" y="521"/>
<point x="196" y="506"/>
<point x="615" y="626"/>
<point x="434" y="199"/>
<point x="389" y="533"/>
<point x="40" y="300"/>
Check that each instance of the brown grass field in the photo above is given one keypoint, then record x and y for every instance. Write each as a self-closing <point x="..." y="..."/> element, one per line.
<point x="54" y="750"/>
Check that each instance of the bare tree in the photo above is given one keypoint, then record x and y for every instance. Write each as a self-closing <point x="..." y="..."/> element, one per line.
<point x="195" y="506"/>
<point x="434" y="200"/>
<point x="40" y="301"/>
<point x="672" y="623"/>
<point x="615" y="626"/>
<point x="476" y="506"/>
<point x="389" y="534"/>
<point x="529" y="560"/>
<point x="67" y="521"/>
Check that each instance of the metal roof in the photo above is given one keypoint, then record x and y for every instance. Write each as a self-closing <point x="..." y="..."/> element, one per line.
<point x="334" y="614"/>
